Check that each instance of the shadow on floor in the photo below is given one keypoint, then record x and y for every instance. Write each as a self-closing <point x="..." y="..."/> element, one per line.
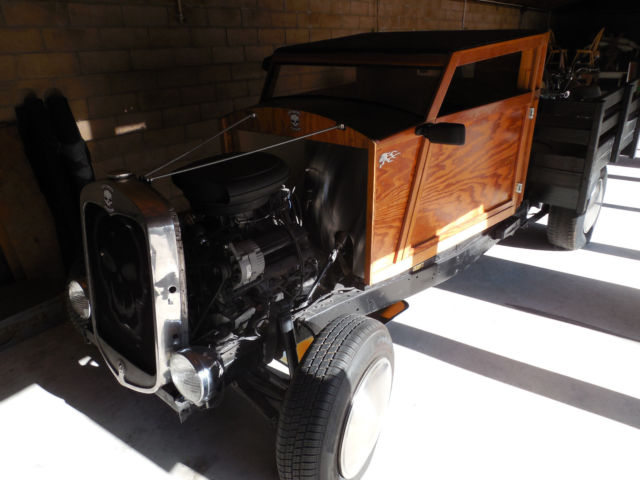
<point x="592" y="398"/>
<point x="613" y="250"/>
<point x="208" y="442"/>
<point x="533" y="237"/>
<point x="620" y="207"/>
<point x="623" y="177"/>
<point x="628" y="162"/>
<point x="590" y="303"/>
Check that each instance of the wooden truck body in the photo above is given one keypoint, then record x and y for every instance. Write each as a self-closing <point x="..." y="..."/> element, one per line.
<point x="422" y="197"/>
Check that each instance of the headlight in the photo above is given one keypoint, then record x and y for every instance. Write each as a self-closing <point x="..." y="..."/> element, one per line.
<point x="79" y="299"/>
<point x="195" y="374"/>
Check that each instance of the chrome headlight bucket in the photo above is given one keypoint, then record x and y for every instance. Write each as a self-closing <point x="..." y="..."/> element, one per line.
<point x="196" y="374"/>
<point x="79" y="299"/>
<point x="136" y="278"/>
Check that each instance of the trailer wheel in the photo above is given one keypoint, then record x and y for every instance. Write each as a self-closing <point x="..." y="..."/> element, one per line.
<point x="333" y="410"/>
<point x="566" y="229"/>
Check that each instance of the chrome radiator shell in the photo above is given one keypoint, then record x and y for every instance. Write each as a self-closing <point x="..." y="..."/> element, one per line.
<point x="127" y="197"/>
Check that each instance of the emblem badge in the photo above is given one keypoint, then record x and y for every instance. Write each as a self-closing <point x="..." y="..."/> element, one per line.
<point x="294" y="120"/>
<point x="107" y="195"/>
<point x="388" y="157"/>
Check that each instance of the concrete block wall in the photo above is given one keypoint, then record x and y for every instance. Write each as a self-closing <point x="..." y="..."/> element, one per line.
<point x="449" y="14"/>
<point x="145" y="86"/>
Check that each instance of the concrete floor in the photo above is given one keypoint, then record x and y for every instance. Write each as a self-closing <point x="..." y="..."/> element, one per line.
<point x="496" y="378"/>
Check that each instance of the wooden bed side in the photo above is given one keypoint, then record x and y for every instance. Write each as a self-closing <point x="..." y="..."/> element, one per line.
<point x="446" y="194"/>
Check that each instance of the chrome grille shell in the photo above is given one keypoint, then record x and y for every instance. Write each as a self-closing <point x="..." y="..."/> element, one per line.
<point x="138" y="202"/>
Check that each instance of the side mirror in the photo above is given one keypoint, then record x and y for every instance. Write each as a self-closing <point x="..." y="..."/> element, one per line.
<point x="443" y="133"/>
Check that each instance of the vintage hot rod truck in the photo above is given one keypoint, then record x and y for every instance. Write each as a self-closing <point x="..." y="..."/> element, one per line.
<point x="373" y="167"/>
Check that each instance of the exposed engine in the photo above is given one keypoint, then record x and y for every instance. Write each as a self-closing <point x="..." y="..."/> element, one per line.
<point x="246" y="252"/>
<point x="248" y="256"/>
<point x="239" y="265"/>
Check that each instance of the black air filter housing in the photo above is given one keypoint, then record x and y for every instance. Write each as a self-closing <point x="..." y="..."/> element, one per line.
<point x="232" y="187"/>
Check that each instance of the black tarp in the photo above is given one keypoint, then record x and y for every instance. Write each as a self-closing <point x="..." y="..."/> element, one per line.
<point x="60" y="162"/>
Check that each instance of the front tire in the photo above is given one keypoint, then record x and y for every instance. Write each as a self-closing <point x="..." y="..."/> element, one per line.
<point x="333" y="410"/>
<point x="566" y="229"/>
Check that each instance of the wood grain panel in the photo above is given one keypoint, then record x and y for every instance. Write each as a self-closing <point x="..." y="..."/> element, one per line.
<point x="428" y="249"/>
<point x="462" y="184"/>
<point x="526" y="140"/>
<point x="227" y="137"/>
<point x="277" y="121"/>
<point x="416" y="185"/>
<point x="371" y="193"/>
<point x="526" y="71"/>
<point x="392" y="183"/>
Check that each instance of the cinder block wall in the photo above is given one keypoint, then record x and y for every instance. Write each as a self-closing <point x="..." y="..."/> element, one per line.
<point x="144" y="86"/>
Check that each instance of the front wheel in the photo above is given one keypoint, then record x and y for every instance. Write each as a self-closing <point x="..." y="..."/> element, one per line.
<point x="566" y="229"/>
<point x="333" y="410"/>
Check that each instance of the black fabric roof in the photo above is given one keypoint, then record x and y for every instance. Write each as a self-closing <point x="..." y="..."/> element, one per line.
<point x="443" y="41"/>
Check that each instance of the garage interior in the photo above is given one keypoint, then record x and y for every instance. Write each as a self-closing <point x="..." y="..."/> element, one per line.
<point x="523" y="365"/>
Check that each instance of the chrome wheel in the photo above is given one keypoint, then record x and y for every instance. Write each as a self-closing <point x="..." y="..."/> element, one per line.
<point x="365" y="417"/>
<point x="332" y="413"/>
<point x="593" y="207"/>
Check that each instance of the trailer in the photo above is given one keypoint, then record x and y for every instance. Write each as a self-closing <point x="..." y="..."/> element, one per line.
<point x="573" y="142"/>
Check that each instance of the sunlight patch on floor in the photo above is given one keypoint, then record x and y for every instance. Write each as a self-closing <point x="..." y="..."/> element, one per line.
<point x="458" y="424"/>
<point x="453" y="424"/>
<point x="583" y="263"/>
<point x="37" y="427"/>
<point x="616" y="228"/>
<point x="584" y="354"/>
<point x="184" y="472"/>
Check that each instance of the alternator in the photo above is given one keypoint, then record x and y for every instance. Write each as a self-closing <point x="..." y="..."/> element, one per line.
<point x="250" y="262"/>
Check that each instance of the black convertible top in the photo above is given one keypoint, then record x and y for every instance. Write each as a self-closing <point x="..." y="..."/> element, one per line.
<point x="438" y="42"/>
